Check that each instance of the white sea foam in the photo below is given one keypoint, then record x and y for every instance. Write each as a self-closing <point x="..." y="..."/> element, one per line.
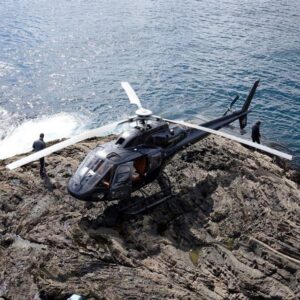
<point x="5" y="121"/>
<point x="20" y="139"/>
<point x="3" y="113"/>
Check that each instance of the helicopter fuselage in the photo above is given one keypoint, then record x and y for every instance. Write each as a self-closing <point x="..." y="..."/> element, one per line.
<point x="115" y="169"/>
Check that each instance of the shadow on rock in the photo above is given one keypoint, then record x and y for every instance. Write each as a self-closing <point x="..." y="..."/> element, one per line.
<point x="48" y="183"/>
<point x="171" y="219"/>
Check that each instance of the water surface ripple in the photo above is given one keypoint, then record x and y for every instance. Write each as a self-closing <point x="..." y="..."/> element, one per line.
<point x="182" y="58"/>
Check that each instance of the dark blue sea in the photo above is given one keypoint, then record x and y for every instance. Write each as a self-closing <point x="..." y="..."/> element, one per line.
<point x="61" y="64"/>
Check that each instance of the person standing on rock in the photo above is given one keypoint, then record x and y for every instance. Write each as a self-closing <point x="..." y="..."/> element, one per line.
<point x="37" y="146"/>
<point x="256" y="132"/>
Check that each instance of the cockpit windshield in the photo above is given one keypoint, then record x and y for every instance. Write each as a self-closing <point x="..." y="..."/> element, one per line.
<point x="100" y="167"/>
<point x="94" y="169"/>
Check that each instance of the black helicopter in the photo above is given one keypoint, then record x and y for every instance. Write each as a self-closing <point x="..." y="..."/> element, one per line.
<point x="137" y="157"/>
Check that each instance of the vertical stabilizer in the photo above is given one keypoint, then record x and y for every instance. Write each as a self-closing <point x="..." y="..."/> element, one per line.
<point x="243" y="119"/>
<point x="250" y="96"/>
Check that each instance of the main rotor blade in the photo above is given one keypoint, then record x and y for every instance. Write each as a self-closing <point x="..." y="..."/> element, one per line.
<point x="133" y="98"/>
<point x="71" y="141"/>
<point x="234" y="138"/>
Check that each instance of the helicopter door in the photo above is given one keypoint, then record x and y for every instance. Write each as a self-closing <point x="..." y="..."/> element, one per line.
<point x="121" y="184"/>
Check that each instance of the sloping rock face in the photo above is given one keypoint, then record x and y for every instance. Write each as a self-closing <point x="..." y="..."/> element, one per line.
<point x="230" y="231"/>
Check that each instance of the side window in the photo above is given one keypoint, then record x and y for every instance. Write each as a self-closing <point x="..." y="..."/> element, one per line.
<point x="120" y="141"/>
<point x="155" y="161"/>
<point x="123" y="174"/>
<point x="106" y="181"/>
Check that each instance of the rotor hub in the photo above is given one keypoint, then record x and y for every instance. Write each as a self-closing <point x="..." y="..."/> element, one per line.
<point x="142" y="112"/>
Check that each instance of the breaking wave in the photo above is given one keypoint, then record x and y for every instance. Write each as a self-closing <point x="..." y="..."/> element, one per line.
<point x="20" y="138"/>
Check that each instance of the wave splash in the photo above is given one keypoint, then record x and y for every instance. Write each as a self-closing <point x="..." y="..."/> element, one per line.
<point x="20" y="139"/>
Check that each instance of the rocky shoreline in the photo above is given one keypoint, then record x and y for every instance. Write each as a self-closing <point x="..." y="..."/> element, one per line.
<point x="230" y="231"/>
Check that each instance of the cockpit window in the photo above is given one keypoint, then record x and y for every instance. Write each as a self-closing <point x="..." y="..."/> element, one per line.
<point x="92" y="161"/>
<point x="123" y="169"/>
<point x="101" y="167"/>
<point x="113" y="156"/>
<point x="94" y="170"/>
<point x="123" y="174"/>
<point x="85" y="171"/>
<point x="120" y="141"/>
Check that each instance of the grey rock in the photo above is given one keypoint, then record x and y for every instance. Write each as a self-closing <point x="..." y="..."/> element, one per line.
<point x="231" y="231"/>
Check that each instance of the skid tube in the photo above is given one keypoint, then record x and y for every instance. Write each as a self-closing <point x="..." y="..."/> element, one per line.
<point x="146" y="202"/>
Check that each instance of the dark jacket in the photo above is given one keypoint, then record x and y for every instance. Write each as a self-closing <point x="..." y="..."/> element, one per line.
<point x="255" y="131"/>
<point x="39" y="145"/>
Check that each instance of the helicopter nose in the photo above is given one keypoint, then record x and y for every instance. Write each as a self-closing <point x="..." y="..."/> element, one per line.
<point x="75" y="189"/>
<point x="74" y="186"/>
<point x="78" y="191"/>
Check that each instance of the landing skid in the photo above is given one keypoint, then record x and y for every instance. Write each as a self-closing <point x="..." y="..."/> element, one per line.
<point x="155" y="193"/>
<point x="143" y="205"/>
<point x="148" y="197"/>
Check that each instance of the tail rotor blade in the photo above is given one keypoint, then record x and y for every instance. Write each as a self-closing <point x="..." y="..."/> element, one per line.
<point x="133" y="98"/>
<point x="231" y="104"/>
<point x="101" y="131"/>
<point x="233" y="101"/>
<point x="234" y="138"/>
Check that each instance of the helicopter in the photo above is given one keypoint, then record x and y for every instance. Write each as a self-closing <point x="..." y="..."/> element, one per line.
<point x="137" y="157"/>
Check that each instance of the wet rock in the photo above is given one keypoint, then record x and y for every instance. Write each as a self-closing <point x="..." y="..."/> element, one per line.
<point x="230" y="231"/>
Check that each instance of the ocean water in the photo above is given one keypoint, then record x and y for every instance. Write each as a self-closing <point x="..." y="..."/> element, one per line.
<point x="61" y="64"/>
